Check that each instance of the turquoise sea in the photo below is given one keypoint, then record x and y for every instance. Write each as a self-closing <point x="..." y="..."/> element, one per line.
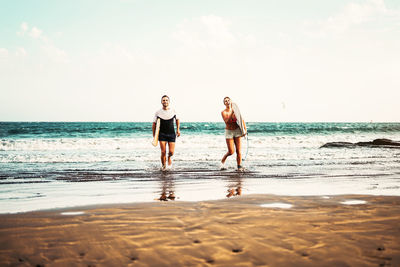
<point x="46" y="165"/>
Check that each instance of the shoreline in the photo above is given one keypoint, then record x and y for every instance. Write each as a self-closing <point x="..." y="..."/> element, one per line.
<point x="155" y="201"/>
<point x="316" y="230"/>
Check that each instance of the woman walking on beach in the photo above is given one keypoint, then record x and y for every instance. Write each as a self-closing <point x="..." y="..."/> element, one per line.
<point x="233" y="134"/>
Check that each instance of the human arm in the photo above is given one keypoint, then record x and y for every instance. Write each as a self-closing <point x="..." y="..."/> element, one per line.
<point x="244" y="127"/>
<point x="154" y="128"/>
<point x="227" y="116"/>
<point x="178" y="132"/>
<point x="224" y="116"/>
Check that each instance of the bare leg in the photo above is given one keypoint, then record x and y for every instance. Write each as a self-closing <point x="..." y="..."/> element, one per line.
<point x="163" y="146"/>
<point x="171" y="150"/>
<point x="238" y="145"/>
<point x="230" y="145"/>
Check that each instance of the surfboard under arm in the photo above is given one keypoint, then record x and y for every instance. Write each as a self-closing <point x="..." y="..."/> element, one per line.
<point x="157" y="132"/>
<point x="239" y="118"/>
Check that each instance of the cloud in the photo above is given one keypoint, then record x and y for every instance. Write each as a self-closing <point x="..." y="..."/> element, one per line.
<point x="205" y="31"/>
<point x="116" y="52"/>
<point x="55" y="53"/>
<point x="3" y="53"/>
<point x="116" y="60"/>
<point x="24" y="28"/>
<point x="35" y="33"/>
<point x="52" y="51"/>
<point x="353" y="15"/>
<point x="21" y="52"/>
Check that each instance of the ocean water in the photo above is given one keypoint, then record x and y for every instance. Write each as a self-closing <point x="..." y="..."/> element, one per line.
<point x="46" y="165"/>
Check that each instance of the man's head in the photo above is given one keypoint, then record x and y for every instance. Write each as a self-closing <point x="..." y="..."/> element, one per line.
<point x="165" y="101"/>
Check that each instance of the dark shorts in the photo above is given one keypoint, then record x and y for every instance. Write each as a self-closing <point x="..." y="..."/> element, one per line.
<point x="167" y="137"/>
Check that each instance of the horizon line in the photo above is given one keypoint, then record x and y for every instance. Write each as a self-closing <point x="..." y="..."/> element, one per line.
<point x="44" y="121"/>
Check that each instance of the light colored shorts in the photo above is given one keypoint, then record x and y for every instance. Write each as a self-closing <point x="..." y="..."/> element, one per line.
<point x="230" y="134"/>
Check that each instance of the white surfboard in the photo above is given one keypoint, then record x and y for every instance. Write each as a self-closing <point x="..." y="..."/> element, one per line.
<point x="239" y="118"/>
<point x="157" y="132"/>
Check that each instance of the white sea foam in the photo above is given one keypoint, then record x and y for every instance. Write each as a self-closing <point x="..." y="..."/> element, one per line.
<point x="279" y="205"/>
<point x="189" y="141"/>
<point x="353" y="202"/>
<point x="76" y="144"/>
<point x="268" y="149"/>
<point x="72" y="213"/>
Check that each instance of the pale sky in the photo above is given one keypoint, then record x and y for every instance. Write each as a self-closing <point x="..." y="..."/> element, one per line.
<point x="280" y="60"/>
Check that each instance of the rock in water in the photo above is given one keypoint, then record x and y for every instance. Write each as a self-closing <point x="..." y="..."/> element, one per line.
<point x="376" y="143"/>
<point x="385" y="142"/>
<point x="338" y="144"/>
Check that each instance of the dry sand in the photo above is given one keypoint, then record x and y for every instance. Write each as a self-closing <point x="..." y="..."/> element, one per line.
<point x="237" y="231"/>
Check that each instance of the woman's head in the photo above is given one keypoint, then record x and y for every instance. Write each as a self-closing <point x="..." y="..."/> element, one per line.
<point x="227" y="101"/>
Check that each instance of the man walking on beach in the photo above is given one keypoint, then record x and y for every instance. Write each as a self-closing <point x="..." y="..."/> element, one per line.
<point x="167" y="134"/>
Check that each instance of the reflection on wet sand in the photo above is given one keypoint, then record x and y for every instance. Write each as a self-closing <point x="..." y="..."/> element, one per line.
<point x="167" y="184"/>
<point x="167" y="187"/>
<point x="235" y="186"/>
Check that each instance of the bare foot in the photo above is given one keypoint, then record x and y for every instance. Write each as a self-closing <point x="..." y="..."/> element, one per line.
<point x="222" y="166"/>
<point x="231" y="192"/>
<point x="171" y="196"/>
<point x="163" y="197"/>
<point x="238" y="191"/>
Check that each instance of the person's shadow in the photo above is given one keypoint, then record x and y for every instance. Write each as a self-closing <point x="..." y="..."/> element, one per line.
<point x="167" y="187"/>
<point x="234" y="186"/>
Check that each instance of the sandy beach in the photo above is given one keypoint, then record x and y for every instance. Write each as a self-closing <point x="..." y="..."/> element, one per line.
<point x="239" y="231"/>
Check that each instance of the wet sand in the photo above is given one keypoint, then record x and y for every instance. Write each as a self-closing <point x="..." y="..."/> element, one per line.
<point x="237" y="231"/>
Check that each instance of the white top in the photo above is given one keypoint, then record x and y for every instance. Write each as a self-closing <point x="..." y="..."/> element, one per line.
<point x="165" y="114"/>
